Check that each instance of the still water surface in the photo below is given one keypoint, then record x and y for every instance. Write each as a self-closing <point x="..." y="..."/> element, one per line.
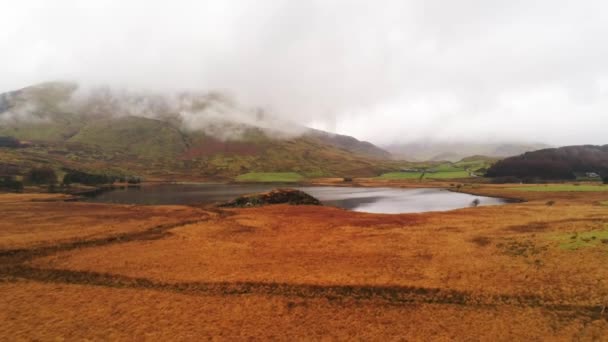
<point x="371" y="200"/>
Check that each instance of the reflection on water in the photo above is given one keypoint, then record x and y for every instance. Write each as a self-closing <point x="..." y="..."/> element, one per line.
<point x="178" y="193"/>
<point x="372" y="200"/>
<point x="392" y="200"/>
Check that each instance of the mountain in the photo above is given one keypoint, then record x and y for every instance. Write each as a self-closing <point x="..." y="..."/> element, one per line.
<point x="455" y="151"/>
<point x="351" y="144"/>
<point x="184" y="136"/>
<point x="554" y="163"/>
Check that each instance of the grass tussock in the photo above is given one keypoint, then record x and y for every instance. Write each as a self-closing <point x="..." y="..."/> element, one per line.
<point x="579" y="240"/>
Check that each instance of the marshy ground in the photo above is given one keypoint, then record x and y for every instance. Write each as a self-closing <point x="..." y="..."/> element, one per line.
<point x="526" y="271"/>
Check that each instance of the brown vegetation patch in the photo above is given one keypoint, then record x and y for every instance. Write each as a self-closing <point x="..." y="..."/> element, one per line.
<point x="94" y="271"/>
<point x="523" y="248"/>
<point x="276" y="196"/>
<point x="212" y="146"/>
<point x="80" y="312"/>
<point x="481" y="241"/>
<point x="37" y="220"/>
<point x="531" y="227"/>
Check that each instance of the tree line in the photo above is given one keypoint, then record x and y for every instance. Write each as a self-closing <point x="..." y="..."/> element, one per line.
<point x="47" y="176"/>
<point x="554" y="164"/>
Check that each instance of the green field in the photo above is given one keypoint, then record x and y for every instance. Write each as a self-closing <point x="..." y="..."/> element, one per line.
<point x="447" y="168"/>
<point x="447" y="175"/>
<point x="400" y="175"/>
<point x="574" y="241"/>
<point x="562" y="188"/>
<point x="279" y="177"/>
<point x="474" y="165"/>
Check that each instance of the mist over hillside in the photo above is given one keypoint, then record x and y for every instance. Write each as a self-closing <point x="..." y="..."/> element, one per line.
<point x="457" y="150"/>
<point x="206" y="134"/>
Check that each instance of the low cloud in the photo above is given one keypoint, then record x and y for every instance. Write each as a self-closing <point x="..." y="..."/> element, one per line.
<point x="383" y="71"/>
<point x="213" y="113"/>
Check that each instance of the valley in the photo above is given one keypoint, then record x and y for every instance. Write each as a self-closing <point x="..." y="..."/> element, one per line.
<point x="306" y="271"/>
<point x="303" y="170"/>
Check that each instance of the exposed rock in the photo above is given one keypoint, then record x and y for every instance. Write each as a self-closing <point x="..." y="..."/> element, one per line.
<point x="276" y="196"/>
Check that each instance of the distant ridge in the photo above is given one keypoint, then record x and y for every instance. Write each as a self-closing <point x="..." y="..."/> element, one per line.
<point x="455" y="151"/>
<point x="554" y="163"/>
<point x="147" y="133"/>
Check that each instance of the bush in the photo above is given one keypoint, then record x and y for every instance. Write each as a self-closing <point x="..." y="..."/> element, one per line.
<point x="11" y="183"/>
<point x="133" y="180"/>
<point x="347" y="179"/>
<point x="75" y="176"/>
<point x="506" y="180"/>
<point x="41" y="175"/>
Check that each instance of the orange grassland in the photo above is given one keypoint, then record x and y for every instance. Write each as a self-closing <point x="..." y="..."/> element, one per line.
<point x="71" y="270"/>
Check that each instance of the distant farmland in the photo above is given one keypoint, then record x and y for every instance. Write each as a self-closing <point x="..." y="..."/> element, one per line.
<point x="444" y="171"/>
<point x="268" y="177"/>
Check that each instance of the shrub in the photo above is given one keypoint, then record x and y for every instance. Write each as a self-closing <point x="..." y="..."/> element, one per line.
<point x="507" y="179"/>
<point x="75" y="176"/>
<point x="133" y="180"/>
<point x="347" y="179"/>
<point x="11" y="183"/>
<point x="475" y="202"/>
<point x="41" y="175"/>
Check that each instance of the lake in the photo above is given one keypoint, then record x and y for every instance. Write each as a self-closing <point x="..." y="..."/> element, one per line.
<point x="371" y="200"/>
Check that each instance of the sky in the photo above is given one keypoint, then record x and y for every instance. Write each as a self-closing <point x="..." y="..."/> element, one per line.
<point x="383" y="71"/>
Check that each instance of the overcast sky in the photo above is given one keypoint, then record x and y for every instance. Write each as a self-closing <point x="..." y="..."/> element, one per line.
<point x="379" y="70"/>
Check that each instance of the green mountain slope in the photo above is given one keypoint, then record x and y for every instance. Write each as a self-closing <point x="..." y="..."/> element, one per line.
<point x="101" y="133"/>
<point x="143" y="137"/>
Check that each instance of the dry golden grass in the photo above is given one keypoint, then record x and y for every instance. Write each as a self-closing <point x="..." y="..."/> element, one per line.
<point x="32" y="220"/>
<point x="283" y="272"/>
<point x="35" y="311"/>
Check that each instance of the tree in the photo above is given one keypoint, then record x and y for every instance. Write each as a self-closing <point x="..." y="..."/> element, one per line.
<point x="10" y="183"/>
<point x="75" y="176"/>
<point x="41" y="175"/>
<point x="133" y="180"/>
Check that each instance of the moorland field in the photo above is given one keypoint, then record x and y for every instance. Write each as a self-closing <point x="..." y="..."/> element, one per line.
<point x="533" y="269"/>
<point x="529" y="270"/>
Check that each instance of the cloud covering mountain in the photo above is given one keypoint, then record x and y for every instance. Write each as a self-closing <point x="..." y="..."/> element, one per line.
<point x="385" y="71"/>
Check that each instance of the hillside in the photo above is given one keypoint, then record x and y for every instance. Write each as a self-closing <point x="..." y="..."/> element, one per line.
<point x="349" y="143"/>
<point x="567" y="162"/>
<point x="455" y="151"/>
<point x="152" y="136"/>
